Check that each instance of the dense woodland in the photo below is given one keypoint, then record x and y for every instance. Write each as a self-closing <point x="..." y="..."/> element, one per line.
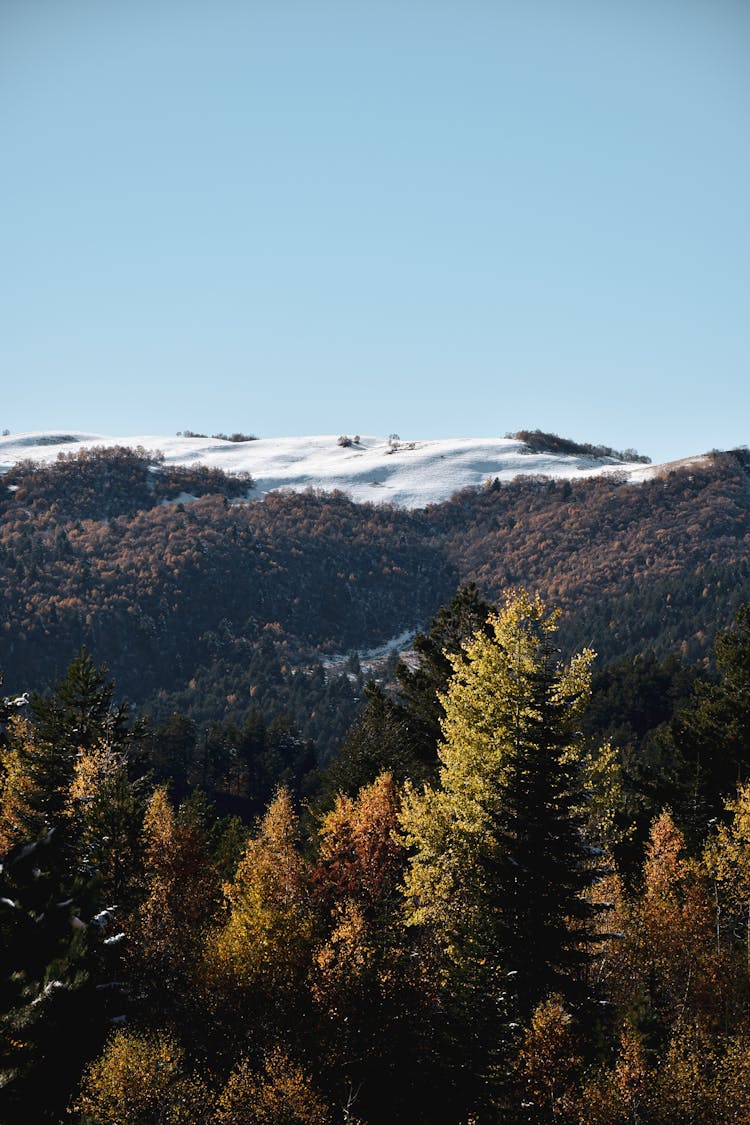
<point x="211" y="606"/>
<point x="509" y="881"/>
<point x="655" y="565"/>
<point x="482" y="912"/>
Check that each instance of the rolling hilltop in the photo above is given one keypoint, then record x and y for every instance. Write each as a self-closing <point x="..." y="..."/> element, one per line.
<point x="411" y="474"/>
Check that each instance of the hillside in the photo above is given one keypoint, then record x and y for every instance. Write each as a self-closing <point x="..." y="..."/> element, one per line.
<point x="205" y="601"/>
<point x="661" y="564"/>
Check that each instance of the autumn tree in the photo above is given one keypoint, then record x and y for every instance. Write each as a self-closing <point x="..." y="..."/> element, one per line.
<point x="727" y="859"/>
<point x="371" y="998"/>
<point x="181" y="892"/>
<point x="360" y="856"/>
<point x="617" y="1094"/>
<point x="683" y="1087"/>
<point x="676" y="972"/>
<point x="16" y="783"/>
<point x="142" y="1077"/>
<point x="548" y="1065"/>
<point x="257" y="960"/>
<point x="278" y="1092"/>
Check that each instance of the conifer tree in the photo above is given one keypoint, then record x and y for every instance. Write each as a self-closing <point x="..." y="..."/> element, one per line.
<point x="420" y="689"/>
<point x="67" y="815"/>
<point x="76" y="717"/>
<point x="400" y="735"/>
<point x="712" y="736"/>
<point x="377" y="743"/>
<point x="499" y="866"/>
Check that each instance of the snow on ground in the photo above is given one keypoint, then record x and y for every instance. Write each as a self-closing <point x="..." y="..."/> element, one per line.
<point x="375" y="655"/>
<point x="411" y="474"/>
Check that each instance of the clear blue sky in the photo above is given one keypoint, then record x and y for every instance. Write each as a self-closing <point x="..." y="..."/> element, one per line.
<point x="440" y="218"/>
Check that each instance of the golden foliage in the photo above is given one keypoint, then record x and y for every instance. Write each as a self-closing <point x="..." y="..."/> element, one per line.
<point x="683" y="1090"/>
<point x="158" y="830"/>
<point x="281" y="1093"/>
<point x="674" y="925"/>
<point x="140" y="1080"/>
<point x="617" y="1096"/>
<point x="15" y="783"/>
<point x="168" y="930"/>
<point x="266" y="940"/>
<point x="548" y="1063"/>
<point x="732" y="1084"/>
<point x="344" y="967"/>
<point x="727" y="856"/>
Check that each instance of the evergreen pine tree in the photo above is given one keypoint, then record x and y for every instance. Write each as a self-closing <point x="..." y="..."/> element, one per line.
<point x="75" y="717"/>
<point x="420" y="688"/>
<point x="711" y="738"/>
<point x="499" y="866"/>
<point x="69" y="848"/>
<point x="400" y="735"/>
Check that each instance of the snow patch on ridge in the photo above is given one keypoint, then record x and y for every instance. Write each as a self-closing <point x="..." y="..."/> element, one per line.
<point x="410" y="474"/>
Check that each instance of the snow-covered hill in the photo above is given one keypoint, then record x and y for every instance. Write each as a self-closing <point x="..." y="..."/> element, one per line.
<point x="411" y="474"/>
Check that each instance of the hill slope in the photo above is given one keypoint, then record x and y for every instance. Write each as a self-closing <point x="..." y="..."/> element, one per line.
<point x="215" y="604"/>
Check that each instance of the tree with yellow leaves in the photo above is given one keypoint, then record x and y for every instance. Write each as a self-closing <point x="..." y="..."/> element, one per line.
<point x="257" y="960"/>
<point x="141" y="1077"/>
<point x="617" y="1095"/>
<point x="369" y="995"/>
<point x="16" y="784"/>
<point x="280" y="1092"/>
<point x="166" y="933"/>
<point x="727" y="855"/>
<point x="548" y="1063"/>
<point x="672" y="928"/>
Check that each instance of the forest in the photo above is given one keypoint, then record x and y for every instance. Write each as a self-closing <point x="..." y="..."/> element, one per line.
<point x="519" y="893"/>
<point x="499" y="879"/>
<point x="207" y="603"/>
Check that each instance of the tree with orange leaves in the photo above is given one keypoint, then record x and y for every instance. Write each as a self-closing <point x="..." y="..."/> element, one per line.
<point x="675" y="927"/>
<point x="547" y="1064"/>
<point x="167" y="931"/>
<point x="369" y="992"/>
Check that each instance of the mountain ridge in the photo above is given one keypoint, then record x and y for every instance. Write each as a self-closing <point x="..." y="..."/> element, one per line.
<point x="371" y="469"/>
<point x="209" y="607"/>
